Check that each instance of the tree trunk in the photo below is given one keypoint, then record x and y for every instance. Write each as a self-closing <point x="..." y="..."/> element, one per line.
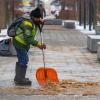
<point x="80" y="13"/>
<point x="63" y="4"/>
<point x="90" y="14"/>
<point x="94" y="13"/>
<point x="84" y="14"/>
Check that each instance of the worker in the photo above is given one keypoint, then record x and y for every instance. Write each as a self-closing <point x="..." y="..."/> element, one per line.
<point x="25" y="33"/>
<point x="42" y="10"/>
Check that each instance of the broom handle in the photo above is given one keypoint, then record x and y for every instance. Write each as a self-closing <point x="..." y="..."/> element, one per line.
<point x="41" y="35"/>
<point x="43" y="50"/>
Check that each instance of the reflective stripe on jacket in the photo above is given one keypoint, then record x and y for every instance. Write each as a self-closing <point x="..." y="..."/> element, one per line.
<point x="24" y="31"/>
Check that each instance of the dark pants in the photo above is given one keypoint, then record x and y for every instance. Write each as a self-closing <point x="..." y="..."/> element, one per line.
<point x="22" y="55"/>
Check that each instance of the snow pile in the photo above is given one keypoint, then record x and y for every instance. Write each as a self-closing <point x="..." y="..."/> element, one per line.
<point x="85" y="31"/>
<point x="80" y="28"/>
<point x="3" y="34"/>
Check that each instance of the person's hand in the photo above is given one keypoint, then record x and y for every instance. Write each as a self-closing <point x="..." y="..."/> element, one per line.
<point x="42" y="46"/>
<point x="42" y="21"/>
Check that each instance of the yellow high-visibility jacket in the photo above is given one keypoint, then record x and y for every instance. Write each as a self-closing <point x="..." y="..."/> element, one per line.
<point x="25" y="34"/>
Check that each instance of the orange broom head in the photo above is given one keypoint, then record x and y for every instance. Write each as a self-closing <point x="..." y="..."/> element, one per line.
<point x="46" y="74"/>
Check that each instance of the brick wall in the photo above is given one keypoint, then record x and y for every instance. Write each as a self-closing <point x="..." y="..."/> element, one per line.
<point x="68" y="14"/>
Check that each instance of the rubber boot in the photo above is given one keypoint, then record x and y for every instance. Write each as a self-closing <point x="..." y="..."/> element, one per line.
<point x="16" y="70"/>
<point x="20" y="76"/>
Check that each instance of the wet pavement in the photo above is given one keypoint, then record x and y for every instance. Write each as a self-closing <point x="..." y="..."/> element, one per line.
<point x="48" y="97"/>
<point x="66" y="52"/>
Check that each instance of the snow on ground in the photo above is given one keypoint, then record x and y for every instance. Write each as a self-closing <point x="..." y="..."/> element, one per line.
<point x="49" y="17"/>
<point x="81" y="28"/>
<point x="85" y="31"/>
<point x="3" y="34"/>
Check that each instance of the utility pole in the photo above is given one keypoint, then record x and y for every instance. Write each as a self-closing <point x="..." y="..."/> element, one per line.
<point x="94" y="13"/>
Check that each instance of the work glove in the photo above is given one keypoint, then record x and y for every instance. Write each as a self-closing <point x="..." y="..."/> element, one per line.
<point x="41" y="46"/>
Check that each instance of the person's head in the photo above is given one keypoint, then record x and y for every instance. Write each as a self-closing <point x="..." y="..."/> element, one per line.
<point x="35" y="15"/>
<point x="40" y="5"/>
